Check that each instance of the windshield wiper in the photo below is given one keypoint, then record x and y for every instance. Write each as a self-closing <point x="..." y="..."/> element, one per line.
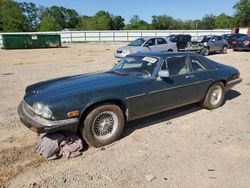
<point x="120" y="72"/>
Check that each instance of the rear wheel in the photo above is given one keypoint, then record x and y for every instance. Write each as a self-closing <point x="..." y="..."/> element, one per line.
<point x="214" y="97"/>
<point x="170" y="50"/>
<point x="103" y="125"/>
<point x="224" y="50"/>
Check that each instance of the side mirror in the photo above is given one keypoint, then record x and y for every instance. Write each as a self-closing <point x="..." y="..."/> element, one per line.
<point x="146" y="45"/>
<point x="163" y="74"/>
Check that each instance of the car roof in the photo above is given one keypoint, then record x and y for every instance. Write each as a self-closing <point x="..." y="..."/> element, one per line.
<point x="147" y="38"/>
<point x="162" y="54"/>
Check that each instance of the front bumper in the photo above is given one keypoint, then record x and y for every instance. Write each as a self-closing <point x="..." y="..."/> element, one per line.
<point x="119" y="55"/>
<point x="41" y="125"/>
<point x="232" y="83"/>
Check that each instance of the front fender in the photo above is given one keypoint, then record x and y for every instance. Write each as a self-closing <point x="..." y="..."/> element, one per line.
<point x="111" y="98"/>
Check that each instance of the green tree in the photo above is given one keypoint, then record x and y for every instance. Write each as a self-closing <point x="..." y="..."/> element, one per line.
<point x="66" y="18"/>
<point x="101" y="21"/>
<point x="31" y="12"/>
<point x="136" y="23"/>
<point x="208" y="22"/>
<point x="48" y="24"/>
<point x="117" y="22"/>
<point x="162" y="22"/>
<point x="242" y="15"/>
<point x="12" y="18"/>
<point x="84" y="23"/>
<point x="223" y="21"/>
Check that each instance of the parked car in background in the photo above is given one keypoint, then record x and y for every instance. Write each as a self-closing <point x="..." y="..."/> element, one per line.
<point x="97" y="105"/>
<point x="208" y="44"/>
<point x="231" y="38"/>
<point x="180" y="40"/>
<point x="145" y="44"/>
<point x="242" y="43"/>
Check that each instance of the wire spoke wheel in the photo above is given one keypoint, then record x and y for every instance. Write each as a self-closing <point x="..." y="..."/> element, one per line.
<point x="105" y="125"/>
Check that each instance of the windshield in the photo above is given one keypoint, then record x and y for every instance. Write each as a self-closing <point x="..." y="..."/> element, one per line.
<point x="227" y="37"/>
<point x="137" y="65"/>
<point x="137" y="42"/>
<point x="206" y="39"/>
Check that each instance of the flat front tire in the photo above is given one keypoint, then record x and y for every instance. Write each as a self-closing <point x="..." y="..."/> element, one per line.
<point x="103" y="125"/>
<point x="205" y="51"/>
<point x="214" y="97"/>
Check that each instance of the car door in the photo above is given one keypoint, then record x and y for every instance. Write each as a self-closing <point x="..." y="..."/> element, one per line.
<point x="162" y="45"/>
<point x="213" y="44"/>
<point x="178" y="89"/>
<point x="150" y="45"/>
<point x="219" y="43"/>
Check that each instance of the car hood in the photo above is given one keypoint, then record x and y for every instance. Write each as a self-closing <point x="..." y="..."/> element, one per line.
<point x="58" y="89"/>
<point x="128" y="48"/>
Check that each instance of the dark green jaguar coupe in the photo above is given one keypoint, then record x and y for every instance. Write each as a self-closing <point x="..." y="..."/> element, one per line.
<point x="98" y="105"/>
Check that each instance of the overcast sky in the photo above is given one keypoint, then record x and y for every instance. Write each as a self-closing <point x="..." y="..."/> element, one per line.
<point x="183" y="9"/>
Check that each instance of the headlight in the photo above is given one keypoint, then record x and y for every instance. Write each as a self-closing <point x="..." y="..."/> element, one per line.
<point x="42" y="110"/>
<point x="126" y="52"/>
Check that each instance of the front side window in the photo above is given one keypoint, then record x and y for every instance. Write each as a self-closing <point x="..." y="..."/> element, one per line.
<point x="177" y="66"/>
<point x="136" y="65"/>
<point x="206" y="38"/>
<point x="197" y="64"/>
<point x="151" y="42"/>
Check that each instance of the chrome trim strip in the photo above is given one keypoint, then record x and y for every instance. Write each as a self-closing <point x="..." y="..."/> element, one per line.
<point x="140" y="95"/>
<point x="152" y="92"/>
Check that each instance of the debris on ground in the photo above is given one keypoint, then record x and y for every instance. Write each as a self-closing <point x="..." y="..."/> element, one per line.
<point x="55" y="145"/>
<point x="150" y="177"/>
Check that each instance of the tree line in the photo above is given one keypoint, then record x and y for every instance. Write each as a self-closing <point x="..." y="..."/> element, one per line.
<point x="21" y="17"/>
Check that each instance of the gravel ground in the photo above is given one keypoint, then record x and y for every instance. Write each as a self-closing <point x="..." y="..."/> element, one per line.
<point x="185" y="147"/>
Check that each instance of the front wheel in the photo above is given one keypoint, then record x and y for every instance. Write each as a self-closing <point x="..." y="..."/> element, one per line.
<point x="103" y="125"/>
<point x="205" y="51"/>
<point x="214" y="97"/>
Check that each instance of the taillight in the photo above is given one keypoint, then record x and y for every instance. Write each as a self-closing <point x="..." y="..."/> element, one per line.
<point x="247" y="42"/>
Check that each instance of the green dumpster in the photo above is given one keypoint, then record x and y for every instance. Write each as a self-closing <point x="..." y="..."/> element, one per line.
<point x="30" y="41"/>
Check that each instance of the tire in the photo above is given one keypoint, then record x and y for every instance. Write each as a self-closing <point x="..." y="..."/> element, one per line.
<point x="103" y="125"/>
<point x="224" y="50"/>
<point x="214" y="97"/>
<point x="170" y="50"/>
<point x="205" y="51"/>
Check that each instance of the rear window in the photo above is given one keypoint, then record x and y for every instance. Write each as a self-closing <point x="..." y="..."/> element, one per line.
<point x="219" y="38"/>
<point x="197" y="64"/>
<point x="161" y="41"/>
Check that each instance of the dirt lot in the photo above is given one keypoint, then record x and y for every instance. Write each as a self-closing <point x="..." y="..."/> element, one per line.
<point x="187" y="147"/>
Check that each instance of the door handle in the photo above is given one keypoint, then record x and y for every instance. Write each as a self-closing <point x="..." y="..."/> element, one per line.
<point x="190" y="76"/>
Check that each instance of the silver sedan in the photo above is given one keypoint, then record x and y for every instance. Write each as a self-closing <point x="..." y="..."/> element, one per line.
<point x="146" y="44"/>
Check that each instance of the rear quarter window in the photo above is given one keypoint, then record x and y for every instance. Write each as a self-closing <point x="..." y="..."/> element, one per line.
<point x="207" y="63"/>
<point x="197" y="65"/>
